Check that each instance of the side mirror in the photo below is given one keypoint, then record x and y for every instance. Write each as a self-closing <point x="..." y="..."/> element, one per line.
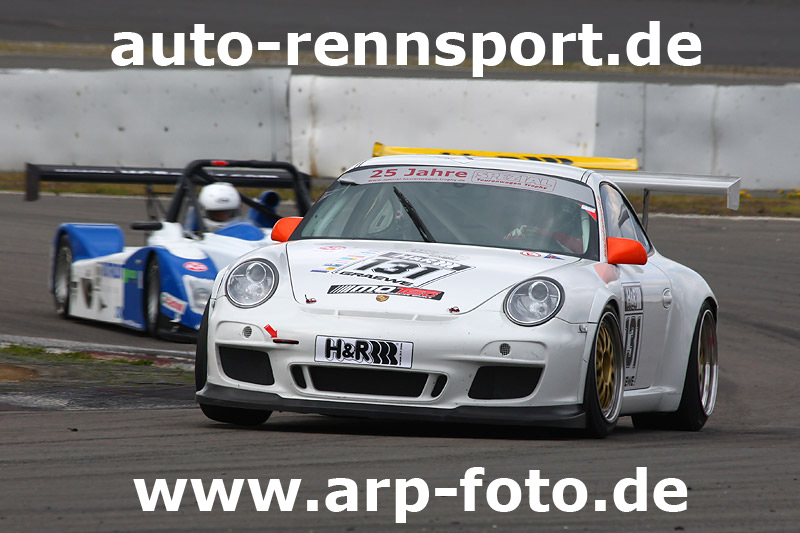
<point x="284" y="228"/>
<point x="625" y="252"/>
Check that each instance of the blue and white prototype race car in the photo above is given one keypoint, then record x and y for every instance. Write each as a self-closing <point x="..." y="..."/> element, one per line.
<point x="163" y="287"/>
<point x="466" y="289"/>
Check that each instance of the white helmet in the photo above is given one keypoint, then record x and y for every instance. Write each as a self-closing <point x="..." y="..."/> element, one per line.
<point x="220" y="205"/>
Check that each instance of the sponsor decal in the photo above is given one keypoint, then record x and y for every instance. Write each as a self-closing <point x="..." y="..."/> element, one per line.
<point x="531" y="254"/>
<point x="525" y="181"/>
<point x="272" y="331"/>
<point x="329" y="248"/>
<point x="435" y="174"/>
<point x="551" y="256"/>
<point x="363" y="351"/>
<point x="111" y="270"/>
<point x="633" y="298"/>
<point x="195" y="266"/>
<point x="634" y="313"/>
<point x="386" y="290"/>
<point x="173" y="304"/>
<point x="591" y="210"/>
<point x="130" y="276"/>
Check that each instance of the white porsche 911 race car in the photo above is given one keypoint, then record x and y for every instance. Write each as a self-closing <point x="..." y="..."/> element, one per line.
<point x="466" y="289"/>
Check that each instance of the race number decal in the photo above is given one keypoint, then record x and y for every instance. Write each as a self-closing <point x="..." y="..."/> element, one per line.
<point x="634" y="312"/>
<point x="407" y="269"/>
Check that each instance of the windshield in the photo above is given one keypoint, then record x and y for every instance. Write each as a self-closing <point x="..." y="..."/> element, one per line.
<point x="456" y="213"/>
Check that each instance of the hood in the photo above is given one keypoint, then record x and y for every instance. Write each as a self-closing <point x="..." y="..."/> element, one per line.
<point x="408" y="277"/>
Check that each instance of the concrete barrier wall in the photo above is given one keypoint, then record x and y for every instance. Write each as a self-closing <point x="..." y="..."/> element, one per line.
<point x="335" y="120"/>
<point x="324" y="124"/>
<point x="747" y="131"/>
<point x="142" y="117"/>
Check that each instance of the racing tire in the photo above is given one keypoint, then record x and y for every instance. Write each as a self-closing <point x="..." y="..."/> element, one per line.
<point x="228" y="415"/>
<point x="700" y="384"/>
<point x="153" y="317"/>
<point x="62" y="275"/>
<point x="605" y="376"/>
<point x="201" y="354"/>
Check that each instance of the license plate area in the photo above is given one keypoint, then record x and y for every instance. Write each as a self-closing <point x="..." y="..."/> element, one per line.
<point x="370" y="352"/>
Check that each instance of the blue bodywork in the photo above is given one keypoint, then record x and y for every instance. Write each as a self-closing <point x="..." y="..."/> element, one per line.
<point x="93" y="241"/>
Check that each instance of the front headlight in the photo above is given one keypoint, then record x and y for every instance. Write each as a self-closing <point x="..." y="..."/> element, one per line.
<point x="534" y="301"/>
<point x="199" y="291"/>
<point x="251" y="283"/>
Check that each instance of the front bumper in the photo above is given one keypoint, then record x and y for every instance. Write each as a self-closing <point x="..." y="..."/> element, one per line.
<point x="449" y="354"/>
<point x="563" y="416"/>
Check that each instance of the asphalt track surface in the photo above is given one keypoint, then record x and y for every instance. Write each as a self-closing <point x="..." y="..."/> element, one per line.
<point x="72" y="470"/>
<point x="733" y="32"/>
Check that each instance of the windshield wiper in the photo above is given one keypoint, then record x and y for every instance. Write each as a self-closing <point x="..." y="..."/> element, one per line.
<point x="426" y="235"/>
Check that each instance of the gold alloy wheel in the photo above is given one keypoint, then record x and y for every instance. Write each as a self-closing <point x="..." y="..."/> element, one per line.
<point x="707" y="362"/>
<point x="605" y="368"/>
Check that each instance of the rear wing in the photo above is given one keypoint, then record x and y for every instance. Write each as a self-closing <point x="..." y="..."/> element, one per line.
<point x="677" y="183"/>
<point x="277" y="174"/>
<point x="597" y="163"/>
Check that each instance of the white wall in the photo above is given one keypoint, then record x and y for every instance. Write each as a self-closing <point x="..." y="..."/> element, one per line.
<point x="142" y="117"/>
<point x="325" y="124"/>
<point x="336" y="120"/>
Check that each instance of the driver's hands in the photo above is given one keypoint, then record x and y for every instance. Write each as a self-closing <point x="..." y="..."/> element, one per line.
<point x="520" y="233"/>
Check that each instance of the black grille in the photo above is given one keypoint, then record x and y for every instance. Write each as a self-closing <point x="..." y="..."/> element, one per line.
<point x="363" y="381"/>
<point x="250" y="366"/>
<point x="299" y="378"/>
<point x="438" y="387"/>
<point x="504" y="382"/>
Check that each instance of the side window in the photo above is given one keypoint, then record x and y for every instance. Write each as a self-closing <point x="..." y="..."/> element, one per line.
<point x="620" y="220"/>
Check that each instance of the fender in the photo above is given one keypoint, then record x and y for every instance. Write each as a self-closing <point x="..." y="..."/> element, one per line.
<point x="177" y="303"/>
<point x="87" y="241"/>
<point x="91" y="240"/>
<point x="683" y="319"/>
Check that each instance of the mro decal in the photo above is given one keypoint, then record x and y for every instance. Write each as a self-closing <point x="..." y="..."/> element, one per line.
<point x="385" y="290"/>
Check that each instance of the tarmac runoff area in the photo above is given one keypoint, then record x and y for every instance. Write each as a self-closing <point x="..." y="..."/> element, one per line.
<point x="75" y="436"/>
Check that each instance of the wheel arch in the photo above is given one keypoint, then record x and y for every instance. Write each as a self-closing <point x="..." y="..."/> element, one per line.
<point x="87" y="241"/>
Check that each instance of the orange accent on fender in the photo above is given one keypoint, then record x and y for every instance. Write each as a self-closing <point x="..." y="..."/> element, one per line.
<point x="284" y="228"/>
<point x="626" y="252"/>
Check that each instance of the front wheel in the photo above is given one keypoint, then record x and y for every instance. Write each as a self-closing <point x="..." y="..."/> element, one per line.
<point x="152" y="297"/>
<point x="228" y="415"/>
<point x="602" y="397"/>
<point x="62" y="275"/>
<point x="699" y="386"/>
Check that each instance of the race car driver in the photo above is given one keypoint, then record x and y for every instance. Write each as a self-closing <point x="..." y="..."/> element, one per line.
<point x="220" y="205"/>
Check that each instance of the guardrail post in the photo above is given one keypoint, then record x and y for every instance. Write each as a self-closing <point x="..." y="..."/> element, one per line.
<point x="32" y="181"/>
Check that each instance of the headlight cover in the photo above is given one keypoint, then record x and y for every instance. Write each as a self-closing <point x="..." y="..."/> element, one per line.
<point x="251" y="283"/>
<point x="199" y="291"/>
<point x="534" y="301"/>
